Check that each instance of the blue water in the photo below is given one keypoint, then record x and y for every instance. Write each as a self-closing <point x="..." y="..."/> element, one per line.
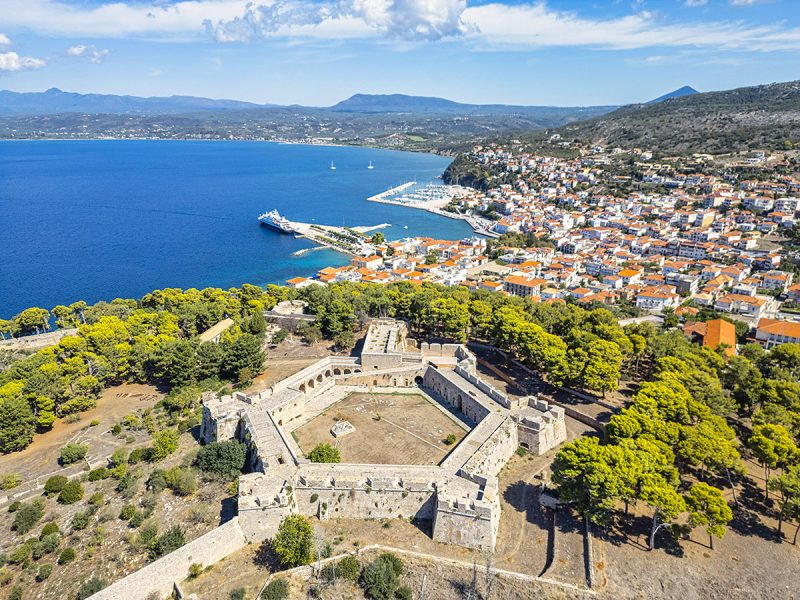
<point x="96" y="220"/>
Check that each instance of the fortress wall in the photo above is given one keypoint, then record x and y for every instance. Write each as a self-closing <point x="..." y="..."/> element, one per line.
<point x="465" y="523"/>
<point x="365" y="503"/>
<point x="160" y="575"/>
<point x="495" y="452"/>
<point x="448" y="387"/>
<point x="404" y="376"/>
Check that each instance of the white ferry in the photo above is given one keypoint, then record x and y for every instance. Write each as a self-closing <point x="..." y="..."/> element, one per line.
<point x="274" y="220"/>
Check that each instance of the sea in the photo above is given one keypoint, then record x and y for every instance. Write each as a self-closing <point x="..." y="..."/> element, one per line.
<point x="102" y="219"/>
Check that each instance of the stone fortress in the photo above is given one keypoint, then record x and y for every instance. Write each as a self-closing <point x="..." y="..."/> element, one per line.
<point x="460" y="495"/>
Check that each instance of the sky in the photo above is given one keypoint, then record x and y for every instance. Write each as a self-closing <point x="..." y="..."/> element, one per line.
<point x="317" y="52"/>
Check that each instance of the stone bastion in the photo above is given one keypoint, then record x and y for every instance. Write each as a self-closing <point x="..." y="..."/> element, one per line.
<point x="460" y="495"/>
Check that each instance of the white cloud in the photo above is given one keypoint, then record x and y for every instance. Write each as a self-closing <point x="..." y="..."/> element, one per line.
<point x="4" y="40"/>
<point x="523" y="25"/>
<point x="11" y="61"/>
<point x="415" y="20"/>
<point x="89" y="53"/>
<point x="536" y="25"/>
<point x="692" y="3"/>
<point x="746" y="2"/>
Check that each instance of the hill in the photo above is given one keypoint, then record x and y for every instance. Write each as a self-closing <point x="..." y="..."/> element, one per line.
<point x="401" y="103"/>
<point x="763" y="116"/>
<point x="680" y="92"/>
<point x="54" y="101"/>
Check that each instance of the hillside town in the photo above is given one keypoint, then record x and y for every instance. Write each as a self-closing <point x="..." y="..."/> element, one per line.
<point x="686" y="239"/>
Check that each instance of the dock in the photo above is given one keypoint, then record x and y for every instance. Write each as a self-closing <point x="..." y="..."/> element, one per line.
<point x="348" y="240"/>
<point x="392" y="191"/>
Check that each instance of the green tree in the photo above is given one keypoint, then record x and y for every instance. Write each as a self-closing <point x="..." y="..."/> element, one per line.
<point x="32" y="320"/>
<point x="788" y="487"/>
<point x="665" y="501"/>
<point x="28" y="514"/>
<point x="707" y="508"/>
<point x="601" y="370"/>
<point x="17" y="423"/>
<point x="243" y="353"/>
<point x="294" y="542"/>
<point x="224" y="458"/>
<point x="378" y="238"/>
<point x="381" y="577"/>
<point x="773" y="446"/>
<point x="325" y="453"/>
<point x="165" y="442"/>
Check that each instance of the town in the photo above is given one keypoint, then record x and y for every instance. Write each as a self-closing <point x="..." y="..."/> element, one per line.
<point x="692" y="240"/>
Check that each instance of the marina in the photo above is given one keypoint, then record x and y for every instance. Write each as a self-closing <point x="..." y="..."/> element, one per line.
<point x="434" y="198"/>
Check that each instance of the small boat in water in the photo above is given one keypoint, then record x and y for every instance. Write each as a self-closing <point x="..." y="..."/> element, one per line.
<point x="333" y="167"/>
<point x="274" y="220"/>
<point x="370" y="165"/>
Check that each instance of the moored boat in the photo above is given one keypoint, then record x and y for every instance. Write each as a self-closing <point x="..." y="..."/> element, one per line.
<point x="274" y="220"/>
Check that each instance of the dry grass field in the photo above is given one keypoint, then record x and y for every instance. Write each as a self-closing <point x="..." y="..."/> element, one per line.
<point x="390" y="429"/>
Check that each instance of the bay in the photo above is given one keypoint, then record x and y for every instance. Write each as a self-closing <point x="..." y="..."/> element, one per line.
<point x="91" y="220"/>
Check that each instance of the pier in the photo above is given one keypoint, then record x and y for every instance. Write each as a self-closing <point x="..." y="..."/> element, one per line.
<point x="348" y="240"/>
<point x="392" y="192"/>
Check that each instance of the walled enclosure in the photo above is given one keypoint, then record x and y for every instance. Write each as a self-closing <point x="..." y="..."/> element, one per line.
<point x="459" y="495"/>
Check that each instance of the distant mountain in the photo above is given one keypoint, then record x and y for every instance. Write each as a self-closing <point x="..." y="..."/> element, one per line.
<point x="401" y="103"/>
<point x="680" y="92"/>
<point x="55" y="101"/>
<point x="763" y="116"/>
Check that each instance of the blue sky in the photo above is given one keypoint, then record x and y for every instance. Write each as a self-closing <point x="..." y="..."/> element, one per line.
<point x="316" y="52"/>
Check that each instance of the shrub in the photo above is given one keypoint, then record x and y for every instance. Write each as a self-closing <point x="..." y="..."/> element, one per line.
<point x="404" y="592"/>
<point x="325" y="453"/>
<point x="127" y="512"/>
<point x="157" y="480"/>
<point x="71" y="493"/>
<point x="314" y="497"/>
<point x="294" y="542"/>
<point x="136" y="456"/>
<point x="46" y="545"/>
<point x="170" y="540"/>
<point x="16" y="593"/>
<point x="278" y="589"/>
<point x="195" y="570"/>
<point x="380" y="579"/>
<point x="90" y="587"/>
<point x="397" y="564"/>
<point x="164" y="443"/>
<point x="55" y="484"/>
<point x="349" y="568"/>
<point x="14" y="506"/>
<point x="97" y="499"/>
<point x="67" y="556"/>
<point x="94" y="423"/>
<point x="116" y="429"/>
<point x="450" y="439"/>
<point x="223" y="458"/>
<point x="147" y="534"/>
<point x="8" y="481"/>
<point x="119" y="457"/>
<point x="72" y="453"/>
<point x="51" y="527"/>
<point x="44" y="572"/>
<point x="181" y="481"/>
<point x="98" y="474"/>
<point x="238" y="594"/>
<point x="28" y="514"/>
<point x="81" y="520"/>
<point x="21" y="555"/>
<point x="137" y="519"/>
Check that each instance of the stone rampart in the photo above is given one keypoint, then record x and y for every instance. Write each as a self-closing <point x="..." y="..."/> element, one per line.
<point x="159" y="576"/>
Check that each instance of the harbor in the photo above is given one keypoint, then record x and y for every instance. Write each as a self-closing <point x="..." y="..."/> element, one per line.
<point x="353" y="241"/>
<point x="434" y="198"/>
